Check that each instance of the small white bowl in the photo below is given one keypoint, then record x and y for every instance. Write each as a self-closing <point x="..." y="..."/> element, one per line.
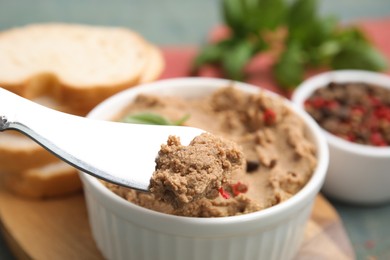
<point x="123" y="230"/>
<point x="358" y="174"/>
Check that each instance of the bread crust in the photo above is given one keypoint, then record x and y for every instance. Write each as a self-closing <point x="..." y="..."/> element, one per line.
<point x="51" y="180"/>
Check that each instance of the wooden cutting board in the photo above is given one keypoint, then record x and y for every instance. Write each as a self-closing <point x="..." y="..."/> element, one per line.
<point x="59" y="229"/>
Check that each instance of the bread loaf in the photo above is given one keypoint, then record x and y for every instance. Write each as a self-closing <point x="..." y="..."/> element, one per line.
<point x="71" y="68"/>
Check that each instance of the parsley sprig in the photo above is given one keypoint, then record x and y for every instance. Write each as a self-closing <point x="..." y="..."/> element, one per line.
<point x="153" y="119"/>
<point x="310" y="41"/>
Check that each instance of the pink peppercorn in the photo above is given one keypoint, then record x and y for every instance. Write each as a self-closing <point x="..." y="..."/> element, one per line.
<point x="269" y="117"/>
<point x="357" y="112"/>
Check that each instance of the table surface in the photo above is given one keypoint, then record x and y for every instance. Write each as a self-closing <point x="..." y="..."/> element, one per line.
<point x="188" y="22"/>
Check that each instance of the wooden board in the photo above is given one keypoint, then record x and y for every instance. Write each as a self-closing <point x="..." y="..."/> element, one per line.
<point x="51" y="229"/>
<point x="59" y="229"/>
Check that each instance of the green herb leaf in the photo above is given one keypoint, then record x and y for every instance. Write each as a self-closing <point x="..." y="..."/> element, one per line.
<point x="264" y="15"/>
<point x="236" y="58"/>
<point x="182" y="120"/>
<point x="289" y="69"/>
<point x="350" y="34"/>
<point x="324" y="53"/>
<point x="211" y="54"/>
<point x="300" y="18"/>
<point x="359" y="56"/>
<point x="234" y="15"/>
<point x="152" y="119"/>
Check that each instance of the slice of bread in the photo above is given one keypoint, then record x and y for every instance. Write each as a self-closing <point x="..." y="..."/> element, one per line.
<point x="50" y="180"/>
<point x="71" y="68"/>
<point x="19" y="153"/>
<point x="80" y="56"/>
<point x="82" y="64"/>
<point x="154" y="65"/>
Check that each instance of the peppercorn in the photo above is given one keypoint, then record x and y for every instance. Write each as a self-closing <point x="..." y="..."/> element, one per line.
<point x="358" y="112"/>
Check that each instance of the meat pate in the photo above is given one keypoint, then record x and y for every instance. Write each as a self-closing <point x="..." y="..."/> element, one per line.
<point x="187" y="173"/>
<point x="279" y="158"/>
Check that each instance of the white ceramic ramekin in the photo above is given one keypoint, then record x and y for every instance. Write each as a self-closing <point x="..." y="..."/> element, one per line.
<point x="358" y="174"/>
<point x="123" y="230"/>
